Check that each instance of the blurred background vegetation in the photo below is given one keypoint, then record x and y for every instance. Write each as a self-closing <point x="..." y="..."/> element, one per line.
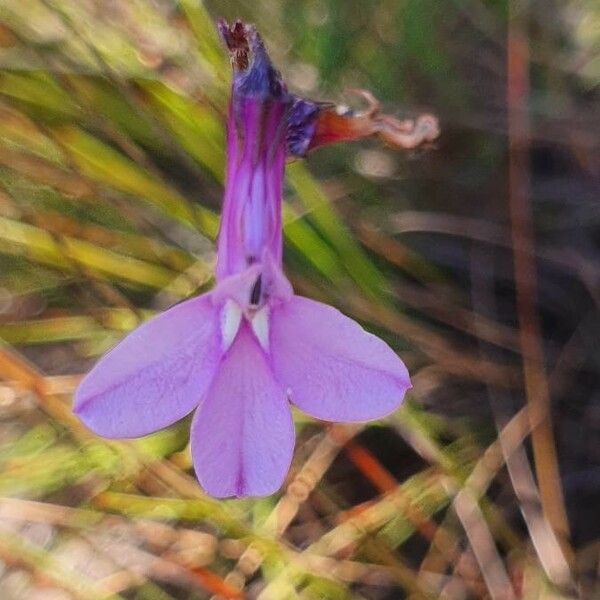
<point x="477" y="260"/>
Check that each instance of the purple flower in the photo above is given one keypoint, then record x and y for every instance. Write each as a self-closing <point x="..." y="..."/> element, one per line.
<point x="240" y="353"/>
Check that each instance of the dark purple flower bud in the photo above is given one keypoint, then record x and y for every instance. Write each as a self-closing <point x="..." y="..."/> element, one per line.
<point x="256" y="151"/>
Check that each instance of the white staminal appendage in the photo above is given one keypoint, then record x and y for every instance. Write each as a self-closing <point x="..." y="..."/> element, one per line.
<point x="260" y="326"/>
<point x="231" y="317"/>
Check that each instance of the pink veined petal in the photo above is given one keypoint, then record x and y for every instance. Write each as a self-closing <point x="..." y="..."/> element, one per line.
<point x="334" y="369"/>
<point x="156" y="375"/>
<point x="243" y="435"/>
<point x="251" y="216"/>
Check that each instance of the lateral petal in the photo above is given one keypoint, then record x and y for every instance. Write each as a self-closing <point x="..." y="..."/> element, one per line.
<point x="154" y="376"/>
<point x="334" y="369"/>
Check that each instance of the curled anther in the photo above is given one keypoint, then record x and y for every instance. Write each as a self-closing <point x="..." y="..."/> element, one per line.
<point x="408" y="134"/>
<point x="402" y="133"/>
<point x="333" y="125"/>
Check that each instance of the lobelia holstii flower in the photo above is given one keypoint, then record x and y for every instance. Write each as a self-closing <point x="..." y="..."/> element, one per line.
<point x="241" y="352"/>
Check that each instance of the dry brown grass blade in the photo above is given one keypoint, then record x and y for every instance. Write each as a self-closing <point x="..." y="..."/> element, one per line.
<point x="466" y="504"/>
<point x="483" y="547"/>
<point x="536" y="383"/>
<point x="469" y="513"/>
<point x="550" y="553"/>
<point x="298" y="490"/>
<point x="359" y="526"/>
<point x="543" y="537"/>
<point x="14" y="367"/>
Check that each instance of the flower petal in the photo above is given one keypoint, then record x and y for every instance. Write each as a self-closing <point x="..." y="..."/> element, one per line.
<point x="334" y="369"/>
<point x="156" y="375"/>
<point x="243" y="434"/>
